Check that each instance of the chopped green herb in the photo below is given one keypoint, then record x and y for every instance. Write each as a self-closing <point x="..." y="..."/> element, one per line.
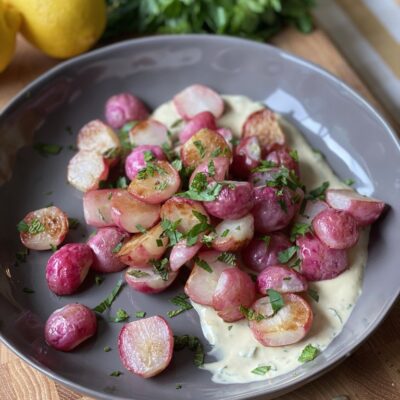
<point x="21" y="255"/>
<point x="170" y="230"/>
<point x="294" y="155"/>
<point x="227" y="258"/>
<point x="299" y="229"/>
<point x="230" y="327"/>
<point x="178" y="386"/>
<point x="73" y="223"/>
<point x="225" y="233"/>
<point x="27" y="290"/>
<point x="105" y="304"/>
<point x="282" y="205"/>
<point x="234" y="141"/>
<point x="203" y="264"/>
<point x="137" y="273"/>
<point x="181" y="301"/>
<point x="287" y="278"/>
<point x="121" y="183"/>
<point x="117" y="248"/>
<point x="313" y="294"/>
<point x="203" y="226"/>
<point x="318" y="193"/>
<point x="159" y="243"/>
<point x="98" y="280"/>
<point x="286" y="255"/>
<point x="53" y="247"/>
<point x="262" y="370"/>
<point x="267" y="240"/>
<point x="33" y="228"/>
<point x="309" y="353"/>
<point x="177" y="164"/>
<point x="237" y="228"/>
<point x="251" y="314"/>
<point x="141" y="228"/>
<point x="276" y="300"/>
<point x="148" y="156"/>
<point x="45" y="149"/>
<point x="349" y="182"/>
<point x="106" y="349"/>
<point x="192" y="343"/>
<point x="265" y="165"/>
<point x="161" y="268"/>
<point x="140" y="314"/>
<point x="72" y="147"/>
<point x="116" y="373"/>
<point x="211" y="168"/>
<point x="208" y="239"/>
<point x="160" y="186"/>
<point x="176" y="123"/>
<point x="150" y="170"/>
<point x="284" y="177"/>
<point x="210" y="193"/>
<point x="200" y="148"/>
<point x="121" y="316"/>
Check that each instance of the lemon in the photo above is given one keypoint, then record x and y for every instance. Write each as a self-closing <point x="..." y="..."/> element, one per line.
<point x="9" y="24"/>
<point x="62" y="28"/>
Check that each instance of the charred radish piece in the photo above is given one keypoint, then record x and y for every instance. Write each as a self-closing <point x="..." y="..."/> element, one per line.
<point x="150" y="132"/>
<point x="43" y="229"/>
<point x="196" y="99"/>
<point x="136" y="160"/>
<point x="246" y="157"/>
<point x="203" y="120"/>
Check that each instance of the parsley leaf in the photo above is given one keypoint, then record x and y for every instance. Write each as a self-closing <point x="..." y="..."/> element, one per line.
<point x="299" y="229"/>
<point x="211" y="168"/>
<point x="286" y="255"/>
<point x="309" y="353"/>
<point x="251" y="314"/>
<point x="181" y="301"/>
<point x="33" y="228"/>
<point x="170" y="230"/>
<point x="265" y="165"/>
<point x="98" y="280"/>
<point x="318" y="193"/>
<point x="275" y="299"/>
<point x="225" y="233"/>
<point x="117" y="248"/>
<point x="192" y="343"/>
<point x="294" y="155"/>
<point x="45" y="149"/>
<point x="208" y="193"/>
<point x="121" y="316"/>
<point x="141" y="228"/>
<point x="105" y="304"/>
<point x="349" y="182"/>
<point x="227" y="258"/>
<point x="161" y="268"/>
<point x="262" y="370"/>
<point x="140" y="314"/>
<point x="203" y="264"/>
<point x="203" y="226"/>
<point x="200" y="148"/>
<point x="267" y="240"/>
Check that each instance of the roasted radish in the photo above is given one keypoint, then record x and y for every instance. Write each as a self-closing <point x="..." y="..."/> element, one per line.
<point x="234" y="289"/>
<point x="215" y="169"/>
<point x="365" y="210"/>
<point x="146" y="346"/>
<point x="43" y="229"/>
<point x="86" y="169"/>
<point x="181" y="253"/>
<point x="149" y="132"/>
<point x="287" y="326"/>
<point x="312" y="208"/>
<point x="233" y="234"/>
<point x="261" y="178"/>
<point x="246" y="157"/>
<point x="196" y="99"/>
<point x="200" y="121"/>
<point x="156" y="183"/>
<point x="67" y="268"/>
<point x="136" y="160"/>
<point x="284" y="157"/>
<point x="131" y="214"/>
<point x="69" y="326"/>
<point x="227" y="135"/>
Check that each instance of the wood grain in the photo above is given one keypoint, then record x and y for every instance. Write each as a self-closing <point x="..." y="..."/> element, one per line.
<point x="371" y="373"/>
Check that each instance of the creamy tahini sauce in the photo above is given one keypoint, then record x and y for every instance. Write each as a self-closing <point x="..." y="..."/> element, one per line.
<point x="235" y="349"/>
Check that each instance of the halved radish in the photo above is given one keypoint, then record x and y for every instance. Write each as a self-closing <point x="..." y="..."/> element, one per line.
<point x="264" y="124"/>
<point x="365" y="210"/>
<point x="283" y="157"/>
<point x="97" y="207"/>
<point x="149" y="132"/>
<point x="200" y="286"/>
<point x="233" y="234"/>
<point x="178" y="208"/>
<point x="220" y="166"/>
<point x="136" y="159"/>
<point x="227" y="135"/>
<point x="98" y="137"/>
<point x="289" y="325"/>
<point x="282" y="279"/>
<point x="86" y="169"/>
<point x="158" y="183"/>
<point x="198" y="98"/>
<point x="200" y="121"/>
<point x="43" y="228"/>
<point x="203" y="146"/>
<point x="313" y="207"/>
<point x="132" y="214"/>
<point x="145" y="346"/>
<point x="142" y="248"/>
<point x="234" y="289"/>
<point x="181" y="253"/>
<point x="246" y="157"/>
<point x="146" y="280"/>
<point x="337" y="229"/>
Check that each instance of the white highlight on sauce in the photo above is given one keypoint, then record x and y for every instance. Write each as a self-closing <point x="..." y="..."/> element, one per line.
<point x="234" y="347"/>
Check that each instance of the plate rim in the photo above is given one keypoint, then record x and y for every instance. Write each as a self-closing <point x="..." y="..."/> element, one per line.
<point x="370" y="108"/>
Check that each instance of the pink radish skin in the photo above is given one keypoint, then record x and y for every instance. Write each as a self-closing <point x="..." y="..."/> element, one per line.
<point x="365" y="210"/>
<point x="234" y="288"/>
<point x="86" y="169"/>
<point x="318" y="261"/>
<point x="151" y="282"/>
<point x="257" y="255"/>
<point x="135" y="160"/>
<point x="281" y="157"/>
<point x="103" y="244"/>
<point x="233" y="234"/>
<point x="181" y="253"/>
<point x="282" y="279"/>
<point x="149" y="132"/>
<point x="67" y="268"/>
<point x="232" y="202"/>
<point x="157" y="188"/>
<point x="146" y="346"/>
<point x="200" y="286"/>
<point x="128" y="212"/>
<point x="227" y="135"/>
<point x="142" y="248"/>
<point x="289" y="325"/>
<point x="122" y="108"/>
<point x="97" y="207"/>
<point x="69" y="326"/>
<point x="336" y="229"/>
<point x="246" y="157"/>
<point x="221" y="165"/>
<point x="261" y="178"/>
<point x="196" y="99"/>
<point x="55" y="223"/>
<point x="199" y="121"/>
<point x="313" y="207"/>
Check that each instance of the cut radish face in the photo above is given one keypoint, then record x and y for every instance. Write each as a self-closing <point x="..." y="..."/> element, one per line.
<point x="42" y="229"/>
<point x="146" y="346"/>
<point x="203" y="146"/>
<point x="196" y="99"/>
<point x="282" y="279"/>
<point x="289" y="325"/>
<point x="147" y="280"/>
<point x="86" y="169"/>
<point x="156" y="183"/>
<point x="200" y="286"/>
<point x="140" y="249"/>
<point x="178" y="208"/>
<point x="264" y="124"/>
<point x="181" y="253"/>
<point x="282" y="157"/>
<point x="365" y="210"/>
<point x="234" y="289"/>
<point x="337" y="229"/>
<point x="313" y="207"/>
<point x="221" y="166"/>
<point x="227" y="135"/>
<point x="131" y="214"/>
<point x="199" y="121"/>
<point x="233" y="234"/>
<point x="135" y="161"/>
<point x="98" y="137"/>
<point x="149" y="132"/>
<point x="246" y="157"/>
<point x="97" y="207"/>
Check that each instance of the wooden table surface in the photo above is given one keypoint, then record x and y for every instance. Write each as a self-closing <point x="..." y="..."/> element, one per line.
<point x="371" y="373"/>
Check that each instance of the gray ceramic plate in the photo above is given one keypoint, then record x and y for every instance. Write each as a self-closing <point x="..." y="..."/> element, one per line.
<point x="354" y="138"/>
